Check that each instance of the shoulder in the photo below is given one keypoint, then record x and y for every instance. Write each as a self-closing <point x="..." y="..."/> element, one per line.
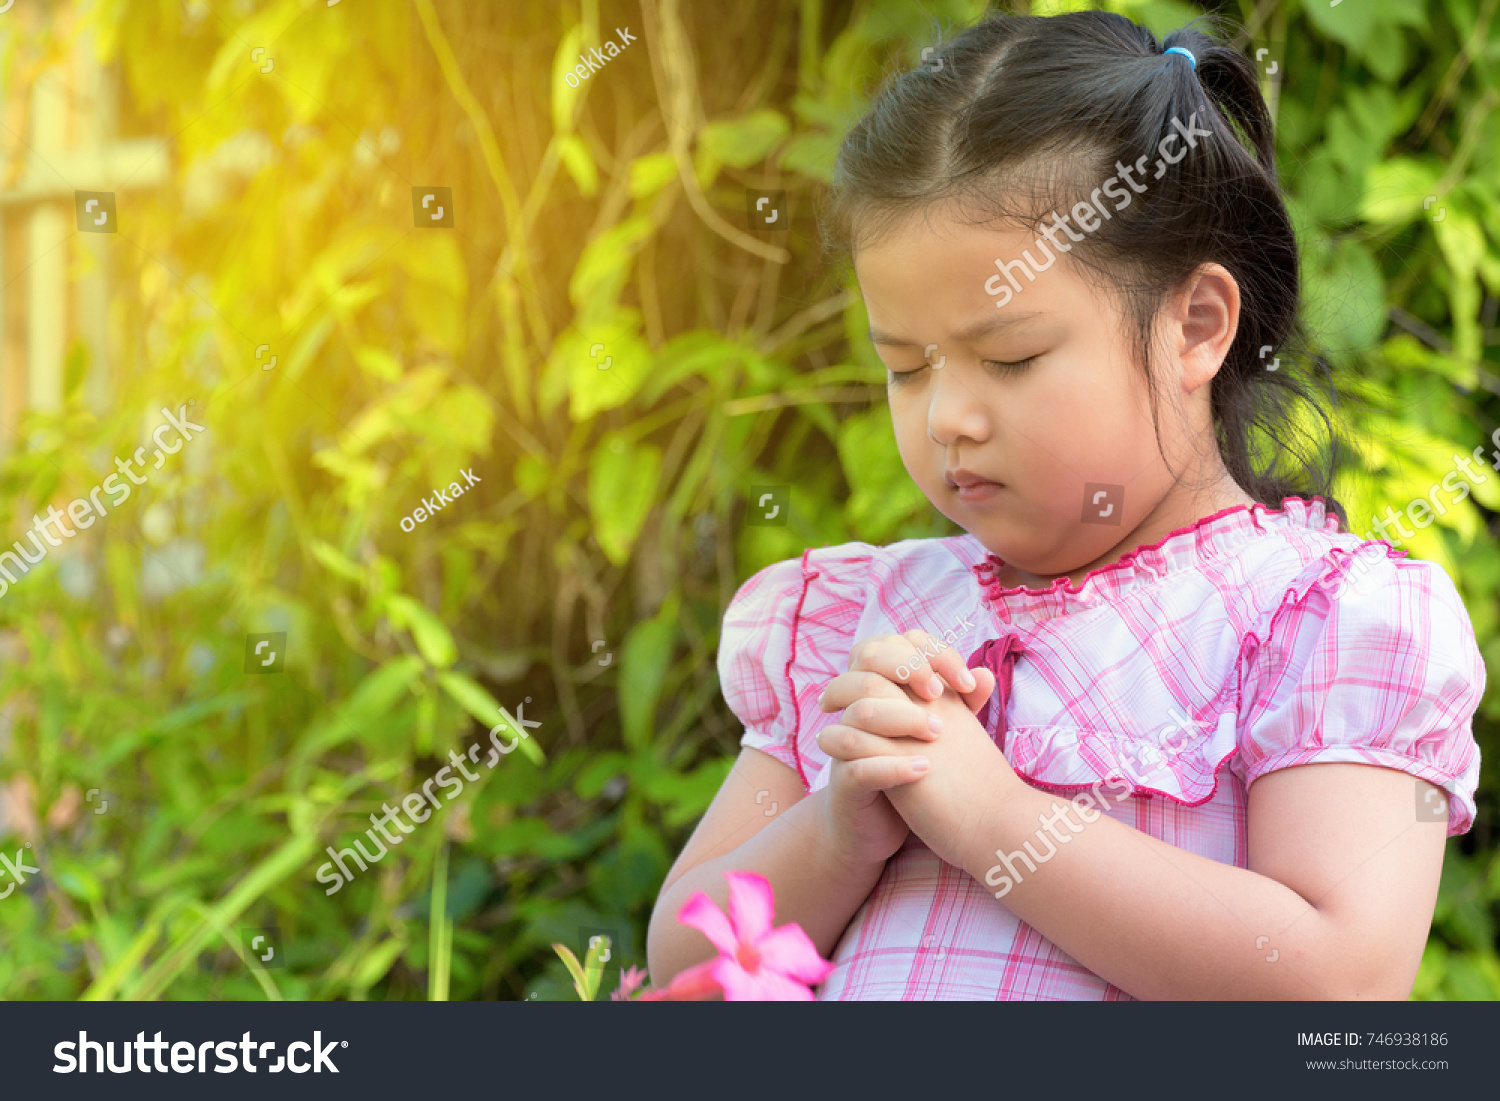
<point x="1272" y="569"/>
<point x="840" y="581"/>
<point x="1306" y="577"/>
<point x="1371" y="658"/>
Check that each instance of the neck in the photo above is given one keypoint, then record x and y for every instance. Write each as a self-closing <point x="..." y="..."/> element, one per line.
<point x="1177" y="510"/>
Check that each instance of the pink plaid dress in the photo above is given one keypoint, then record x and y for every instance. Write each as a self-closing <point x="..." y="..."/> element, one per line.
<point x="1254" y="640"/>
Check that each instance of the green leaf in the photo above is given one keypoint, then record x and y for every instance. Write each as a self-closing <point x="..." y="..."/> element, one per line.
<point x="593" y="967"/>
<point x="470" y="696"/>
<point x="1461" y="238"/>
<point x="528" y="744"/>
<point x="644" y="661"/>
<point x="532" y="476"/>
<point x="650" y="173"/>
<point x="604" y="360"/>
<point x="378" y="363"/>
<point x="427" y="631"/>
<point x="1462" y="241"/>
<point x="1360" y="128"/>
<point x="813" y="154"/>
<point x="700" y="352"/>
<point x="435" y="259"/>
<point x="1385" y="51"/>
<point x="308" y="346"/>
<point x="882" y="492"/>
<point x="597" y="773"/>
<point x="684" y="797"/>
<point x="741" y="142"/>
<point x="335" y="562"/>
<point x="630" y="873"/>
<point x="570" y="961"/>
<point x="600" y="273"/>
<point x="706" y="167"/>
<point x="1345" y="295"/>
<point x="1396" y="189"/>
<point x="576" y="159"/>
<point x="285" y="861"/>
<point x="440" y="931"/>
<point x="564" y="96"/>
<point x="375" y="697"/>
<point x="377" y="963"/>
<point x="1353" y="23"/>
<point x="1161" y="16"/>
<point x="622" y="487"/>
<point x="533" y="837"/>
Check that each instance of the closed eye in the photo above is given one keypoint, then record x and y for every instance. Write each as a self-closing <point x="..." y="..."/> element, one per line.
<point x="1008" y="368"/>
<point x="901" y="378"/>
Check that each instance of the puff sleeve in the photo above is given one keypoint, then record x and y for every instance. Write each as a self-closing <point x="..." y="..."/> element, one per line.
<point x="786" y="634"/>
<point x="1374" y="662"/>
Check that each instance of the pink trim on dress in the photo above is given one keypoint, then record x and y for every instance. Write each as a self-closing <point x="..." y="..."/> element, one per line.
<point x="987" y="570"/>
<point x="808" y="576"/>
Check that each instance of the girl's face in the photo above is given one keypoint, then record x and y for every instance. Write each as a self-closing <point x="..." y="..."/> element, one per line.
<point x="1041" y="396"/>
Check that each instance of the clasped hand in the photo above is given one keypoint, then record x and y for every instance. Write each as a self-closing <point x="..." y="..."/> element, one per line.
<point x="884" y="716"/>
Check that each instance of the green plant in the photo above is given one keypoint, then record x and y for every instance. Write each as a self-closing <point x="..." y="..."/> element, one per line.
<point x="611" y="505"/>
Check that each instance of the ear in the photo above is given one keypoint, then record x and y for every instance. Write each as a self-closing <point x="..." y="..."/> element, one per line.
<point x="1203" y="321"/>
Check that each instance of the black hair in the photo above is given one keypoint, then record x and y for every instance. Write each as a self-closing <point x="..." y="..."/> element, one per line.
<point x="1029" y="114"/>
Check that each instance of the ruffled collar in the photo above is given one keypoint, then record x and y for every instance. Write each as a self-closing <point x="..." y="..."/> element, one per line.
<point x="1182" y="549"/>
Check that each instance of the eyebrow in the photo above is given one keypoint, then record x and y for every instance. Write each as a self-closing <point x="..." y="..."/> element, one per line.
<point x="981" y="328"/>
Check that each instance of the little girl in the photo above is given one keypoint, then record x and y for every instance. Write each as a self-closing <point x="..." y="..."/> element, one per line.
<point x="1187" y="755"/>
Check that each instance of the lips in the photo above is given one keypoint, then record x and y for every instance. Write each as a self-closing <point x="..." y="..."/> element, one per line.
<point x="966" y="479"/>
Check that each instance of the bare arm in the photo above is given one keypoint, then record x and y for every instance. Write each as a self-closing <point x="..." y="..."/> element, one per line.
<point x="1336" y="902"/>
<point x="785" y="837"/>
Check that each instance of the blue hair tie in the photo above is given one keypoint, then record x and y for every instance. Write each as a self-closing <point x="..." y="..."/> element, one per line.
<point x="1179" y="50"/>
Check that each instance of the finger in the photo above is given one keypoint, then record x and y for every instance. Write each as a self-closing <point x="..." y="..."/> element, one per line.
<point x="950" y="664"/>
<point x="984" y="679"/>
<point x="902" y="659"/>
<point x="845" y="688"/>
<point x="877" y="774"/>
<point x="849" y="743"/>
<point x="893" y="718"/>
<point x="920" y="673"/>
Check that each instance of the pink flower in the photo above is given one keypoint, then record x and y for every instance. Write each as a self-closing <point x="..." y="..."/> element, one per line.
<point x="630" y="979"/>
<point x="758" y="963"/>
<point x="691" y="985"/>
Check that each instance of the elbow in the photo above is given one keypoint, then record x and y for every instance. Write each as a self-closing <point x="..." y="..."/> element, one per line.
<point x="1391" y="994"/>
<point x="1381" y="988"/>
<point x="1361" y="961"/>
<point x="1380" y="980"/>
<point x="664" y="943"/>
<point x="656" y="971"/>
<point x="1364" y="976"/>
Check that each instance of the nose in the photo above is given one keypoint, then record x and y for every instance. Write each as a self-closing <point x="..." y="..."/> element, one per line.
<point x="954" y="411"/>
